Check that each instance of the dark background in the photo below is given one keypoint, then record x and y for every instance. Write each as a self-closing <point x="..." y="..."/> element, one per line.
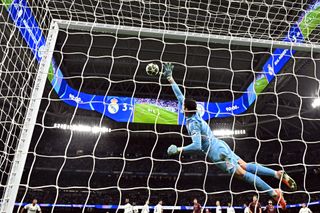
<point x="131" y="161"/>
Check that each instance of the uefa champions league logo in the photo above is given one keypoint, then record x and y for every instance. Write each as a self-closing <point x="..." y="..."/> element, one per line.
<point x="113" y="107"/>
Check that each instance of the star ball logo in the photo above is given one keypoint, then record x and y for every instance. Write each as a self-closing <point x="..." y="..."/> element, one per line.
<point x="113" y="107"/>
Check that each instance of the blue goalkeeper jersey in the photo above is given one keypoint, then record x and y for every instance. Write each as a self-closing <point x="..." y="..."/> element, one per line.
<point x="204" y="141"/>
<point x="198" y="129"/>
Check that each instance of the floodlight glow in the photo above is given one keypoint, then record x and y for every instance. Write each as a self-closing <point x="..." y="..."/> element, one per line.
<point x="316" y="103"/>
<point x="82" y="128"/>
<point x="228" y="132"/>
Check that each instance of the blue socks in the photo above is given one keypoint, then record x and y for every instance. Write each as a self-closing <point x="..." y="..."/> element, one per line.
<point x="258" y="182"/>
<point x="260" y="170"/>
<point x="251" y="176"/>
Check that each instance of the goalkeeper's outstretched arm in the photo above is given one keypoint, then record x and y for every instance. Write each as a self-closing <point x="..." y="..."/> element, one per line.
<point x="168" y="68"/>
<point x="195" y="146"/>
<point x="194" y="129"/>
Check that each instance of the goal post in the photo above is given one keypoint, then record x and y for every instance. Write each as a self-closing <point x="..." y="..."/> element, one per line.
<point x="20" y="156"/>
<point x="289" y="43"/>
<point x="296" y="40"/>
<point x="280" y="54"/>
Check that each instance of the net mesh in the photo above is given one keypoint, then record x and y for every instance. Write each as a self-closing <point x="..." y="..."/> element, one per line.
<point x="17" y="71"/>
<point x="251" y="19"/>
<point x="86" y="167"/>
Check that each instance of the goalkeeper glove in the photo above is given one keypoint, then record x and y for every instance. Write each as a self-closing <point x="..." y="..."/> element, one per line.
<point x="168" y="68"/>
<point x="172" y="150"/>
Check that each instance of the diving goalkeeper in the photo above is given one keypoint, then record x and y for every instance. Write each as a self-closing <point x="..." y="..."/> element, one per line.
<point x="218" y="151"/>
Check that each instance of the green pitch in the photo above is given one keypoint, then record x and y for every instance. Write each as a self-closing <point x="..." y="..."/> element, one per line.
<point x="149" y="113"/>
<point x="260" y="85"/>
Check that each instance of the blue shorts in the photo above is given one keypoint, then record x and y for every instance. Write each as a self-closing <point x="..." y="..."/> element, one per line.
<point x="221" y="154"/>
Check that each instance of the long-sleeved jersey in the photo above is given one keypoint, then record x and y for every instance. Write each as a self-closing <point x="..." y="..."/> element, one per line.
<point x="204" y="140"/>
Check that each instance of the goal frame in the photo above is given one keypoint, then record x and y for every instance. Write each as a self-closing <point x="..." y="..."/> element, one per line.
<point x="185" y="36"/>
<point x="25" y="137"/>
<point x="20" y="156"/>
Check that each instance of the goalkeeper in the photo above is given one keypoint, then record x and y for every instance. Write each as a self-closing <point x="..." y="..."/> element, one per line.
<point x="218" y="151"/>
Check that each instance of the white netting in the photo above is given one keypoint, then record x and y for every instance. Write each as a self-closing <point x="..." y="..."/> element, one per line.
<point x="253" y="19"/>
<point x="17" y="75"/>
<point x="90" y="165"/>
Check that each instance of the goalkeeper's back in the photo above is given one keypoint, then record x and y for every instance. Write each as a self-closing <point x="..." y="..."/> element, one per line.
<point x="196" y="125"/>
<point x="198" y="129"/>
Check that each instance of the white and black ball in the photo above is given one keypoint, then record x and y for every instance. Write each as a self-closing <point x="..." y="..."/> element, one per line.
<point x="152" y="69"/>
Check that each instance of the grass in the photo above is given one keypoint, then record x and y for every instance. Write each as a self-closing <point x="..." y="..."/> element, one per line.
<point x="149" y="113"/>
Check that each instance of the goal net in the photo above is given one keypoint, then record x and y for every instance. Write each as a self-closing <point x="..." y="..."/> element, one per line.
<point x="18" y="69"/>
<point x="104" y="125"/>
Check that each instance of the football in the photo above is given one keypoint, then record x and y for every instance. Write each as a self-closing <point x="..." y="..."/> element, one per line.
<point x="152" y="69"/>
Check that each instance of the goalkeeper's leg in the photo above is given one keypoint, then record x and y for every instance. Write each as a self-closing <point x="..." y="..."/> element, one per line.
<point x="264" y="171"/>
<point x="228" y="161"/>
<point x="260" y="184"/>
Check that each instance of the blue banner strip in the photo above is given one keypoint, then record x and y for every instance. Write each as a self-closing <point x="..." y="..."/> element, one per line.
<point x="129" y="109"/>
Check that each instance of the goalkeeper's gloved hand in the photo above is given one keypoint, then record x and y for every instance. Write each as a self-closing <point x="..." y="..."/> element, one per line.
<point x="168" y="68"/>
<point x="172" y="150"/>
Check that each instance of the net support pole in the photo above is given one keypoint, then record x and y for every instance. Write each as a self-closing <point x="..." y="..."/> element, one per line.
<point x="19" y="160"/>
<point x="189" y="36"/>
